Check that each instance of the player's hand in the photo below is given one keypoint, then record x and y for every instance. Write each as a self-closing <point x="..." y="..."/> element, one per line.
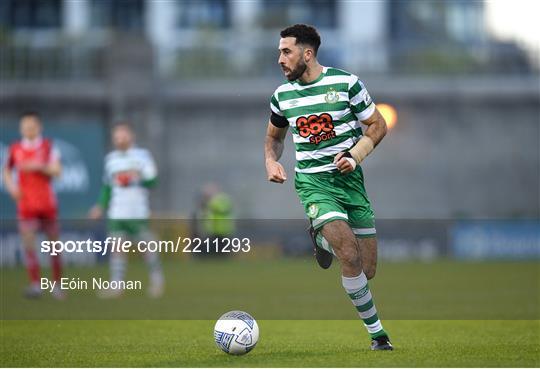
<point x="15" y="193"/>
<point x="345" y="164"/>
<point x="134" y="176"/>
<point x="128" y="178"/>
<point x="275" y="172"/>
<point x="95" y="213"/>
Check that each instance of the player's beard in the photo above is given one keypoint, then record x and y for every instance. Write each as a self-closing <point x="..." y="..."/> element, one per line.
<point x="297" y="71"/>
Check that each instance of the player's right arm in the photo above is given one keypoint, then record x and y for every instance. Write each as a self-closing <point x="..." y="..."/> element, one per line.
<point x="274" y="142"/>
<point x="273" y="148"/>
<point x="96" y="212"/>
<point x="7" y="176"/>
<point x="11" y="187"/>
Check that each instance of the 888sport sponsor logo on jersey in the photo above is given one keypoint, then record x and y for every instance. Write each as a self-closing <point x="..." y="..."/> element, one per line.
<point x="317" y="127"/>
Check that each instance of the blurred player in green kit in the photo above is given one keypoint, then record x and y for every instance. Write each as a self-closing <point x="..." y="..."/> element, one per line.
<point x="129" y="174"/>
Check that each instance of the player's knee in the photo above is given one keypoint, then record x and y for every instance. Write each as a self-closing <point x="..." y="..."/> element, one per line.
<point x="349" y="256"/>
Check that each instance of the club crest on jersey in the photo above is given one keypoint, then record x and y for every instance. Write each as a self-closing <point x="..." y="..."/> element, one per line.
<point x="332" y="96"/>
<point x="313" y="210"/>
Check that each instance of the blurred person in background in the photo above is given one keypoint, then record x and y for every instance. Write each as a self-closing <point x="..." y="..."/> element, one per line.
<point x="37" y="162"/>
<point x="325" y="106"/>
<point x="129" y="174"/>
<point x="213" y="218"/>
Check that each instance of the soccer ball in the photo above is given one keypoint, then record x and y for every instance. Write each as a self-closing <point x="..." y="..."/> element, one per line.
<point x="236" y="332"/>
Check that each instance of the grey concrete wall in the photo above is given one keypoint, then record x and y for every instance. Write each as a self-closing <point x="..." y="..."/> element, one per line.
<point x="460" y="148"/>
<point x="443" y="159"/>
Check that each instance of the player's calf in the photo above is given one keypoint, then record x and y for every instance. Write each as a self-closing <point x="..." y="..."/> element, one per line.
<point x="368" y="251"/>
<point x="369" y="271"/>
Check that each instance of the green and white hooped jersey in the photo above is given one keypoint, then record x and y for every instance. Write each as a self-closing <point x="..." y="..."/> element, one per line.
<point x="124" y="173"/>
<point x="324" y="116"/>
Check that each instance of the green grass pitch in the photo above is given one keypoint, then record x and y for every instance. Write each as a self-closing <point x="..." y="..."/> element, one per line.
<point x="305" y="319"/>
<point x="282" y="344"/>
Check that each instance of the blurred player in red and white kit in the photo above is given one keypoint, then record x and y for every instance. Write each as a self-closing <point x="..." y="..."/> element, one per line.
<point x="37" y="162"/>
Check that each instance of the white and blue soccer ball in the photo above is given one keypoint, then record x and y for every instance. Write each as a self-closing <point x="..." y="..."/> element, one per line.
<point x="236" y="332"/>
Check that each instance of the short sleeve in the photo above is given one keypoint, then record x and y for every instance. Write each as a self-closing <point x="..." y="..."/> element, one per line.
<point x="274" y="105"/>
<point x="55" y="155"/>
<point x="359" y="99"/>
<point x="107" y="175"/>
<point x="276" y="117"/>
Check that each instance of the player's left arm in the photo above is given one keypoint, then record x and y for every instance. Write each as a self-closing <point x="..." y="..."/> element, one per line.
<point x="347" y="161"/>
<point x="149" y="172"/>
<point x="53" y="168"/>
<point x="366" y="112"/>
<point x="376" y="128"/>
<point x="96" y="211"/>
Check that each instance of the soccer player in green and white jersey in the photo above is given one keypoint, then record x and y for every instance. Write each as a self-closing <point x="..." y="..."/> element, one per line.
<point x="129" y="173"/>
<point x="325" y="108"/>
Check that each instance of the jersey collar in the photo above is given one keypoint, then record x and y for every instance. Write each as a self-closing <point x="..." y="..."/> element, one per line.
<point x="31" y="144"/>
<point x="321" y="76"/>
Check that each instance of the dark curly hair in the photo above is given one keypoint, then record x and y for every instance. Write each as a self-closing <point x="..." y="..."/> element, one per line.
<point x="30" y="113"/>
<point x="304" y="34"/>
